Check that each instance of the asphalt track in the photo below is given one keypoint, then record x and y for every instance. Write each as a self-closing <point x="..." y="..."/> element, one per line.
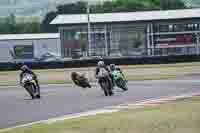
<point x="16" y="108"/>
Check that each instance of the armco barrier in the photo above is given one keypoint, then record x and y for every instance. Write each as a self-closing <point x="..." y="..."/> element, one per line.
<point x="93" y="62"/>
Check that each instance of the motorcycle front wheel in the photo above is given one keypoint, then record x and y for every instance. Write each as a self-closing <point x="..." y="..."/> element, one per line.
<point x="30" y="90"/>
<point x="36" y="91"/>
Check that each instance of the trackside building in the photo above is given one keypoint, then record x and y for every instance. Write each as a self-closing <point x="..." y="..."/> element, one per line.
<point x="148" y="33"/>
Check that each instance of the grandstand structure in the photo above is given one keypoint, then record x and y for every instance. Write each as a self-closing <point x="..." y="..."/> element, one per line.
<point x="148" y="33"/>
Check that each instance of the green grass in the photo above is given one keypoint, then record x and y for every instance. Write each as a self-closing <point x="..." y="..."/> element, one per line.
<point x="11" y="83"/>
<point x="130" y="78"/>
<point x="133" y="72"/>
<point x="192" y="64"/>
<point x="176" y="65"/>
<point x="177" y="117"/>
<point x="151" y="77"/>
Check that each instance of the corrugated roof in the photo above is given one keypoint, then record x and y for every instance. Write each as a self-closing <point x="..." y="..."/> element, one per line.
<point x="29" y="36"/>
<point x="127" y="17"/>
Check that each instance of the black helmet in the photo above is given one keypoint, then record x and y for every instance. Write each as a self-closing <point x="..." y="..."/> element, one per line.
<point x="112" y="67"/>
<point x="73" y="75"/>
<point x="24" y="68"/>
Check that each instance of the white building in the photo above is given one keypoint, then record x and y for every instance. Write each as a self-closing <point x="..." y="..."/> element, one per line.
<point x="28" y="46"/>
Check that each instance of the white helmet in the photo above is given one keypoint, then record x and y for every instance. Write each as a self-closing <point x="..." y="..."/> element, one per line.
<point x="101" y="63"/>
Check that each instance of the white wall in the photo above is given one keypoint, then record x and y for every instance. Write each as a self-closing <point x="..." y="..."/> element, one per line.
<point x="40" y="47"/>
<point x="4" y="51"/>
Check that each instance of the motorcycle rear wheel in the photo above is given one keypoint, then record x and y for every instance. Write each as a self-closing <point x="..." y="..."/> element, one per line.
<point x="122" y="84"/>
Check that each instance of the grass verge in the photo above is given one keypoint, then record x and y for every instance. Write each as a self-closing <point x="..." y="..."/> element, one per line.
<point x="151" y="77"/>
<point x="176" y="65"/>
<point x="191" y="64"/>
<point x="11" y="83"/>
<point x="176" y="117"/>
<point x="133" y="72"/>
<point x="130" y="78"/>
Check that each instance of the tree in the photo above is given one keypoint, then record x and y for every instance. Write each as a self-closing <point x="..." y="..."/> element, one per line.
<point x="107" y="6"/>
<point x="72" y="8"/>
<point x="11" y="24"/>
<point x="172" y="4"/>
<point x="8" y="25"/>
<point x="32" y="26"/>
<point x="3" y="26"/>
<point x="45" y="26"/>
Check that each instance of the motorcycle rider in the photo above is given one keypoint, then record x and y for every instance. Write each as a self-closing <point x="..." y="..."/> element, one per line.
<point x="114" y="67"/>
<point x="100" y="65"/>
<point x="77" y="78"/>
<point x="26" y="70"/>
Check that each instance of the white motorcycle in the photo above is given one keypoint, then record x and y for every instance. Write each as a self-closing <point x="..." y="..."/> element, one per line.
<point x="30" y="85"/>
<point x="105" y="82"/>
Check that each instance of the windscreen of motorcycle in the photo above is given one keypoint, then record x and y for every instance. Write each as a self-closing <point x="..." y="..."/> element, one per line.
<point x="27" y="77"/>
<point x="103" y="73"/>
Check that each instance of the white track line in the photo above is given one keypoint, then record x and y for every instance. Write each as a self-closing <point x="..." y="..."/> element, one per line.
<point x="109" y="109"/>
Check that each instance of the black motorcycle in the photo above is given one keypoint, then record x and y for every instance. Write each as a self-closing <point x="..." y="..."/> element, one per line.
<point x="30" y="85"/>
<point x="82" y="82"/>
<point x="105" y="82"/>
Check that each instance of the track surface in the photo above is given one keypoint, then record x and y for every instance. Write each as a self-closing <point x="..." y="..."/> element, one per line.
<point x="16" y="108"/>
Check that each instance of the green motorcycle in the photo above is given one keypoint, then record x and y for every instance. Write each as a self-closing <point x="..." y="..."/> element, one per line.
<point x="119" y="80"/>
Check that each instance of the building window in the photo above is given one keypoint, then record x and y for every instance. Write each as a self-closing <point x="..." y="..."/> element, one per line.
<point x="189" y="27"/>
<point x="163" y="28"/>
<point x="69" y="35"/>
<point x="171" y="28"/>
<point x="196" y="26"/>
<point x="179" y="27"/>
<point x="176" y="27"/>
